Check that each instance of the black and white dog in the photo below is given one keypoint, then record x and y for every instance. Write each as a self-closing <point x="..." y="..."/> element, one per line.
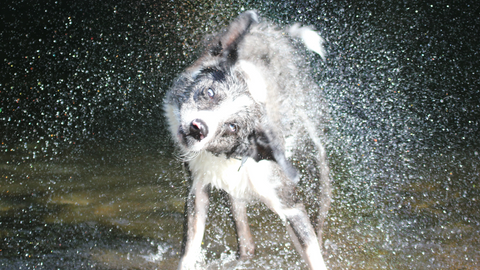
<point x="241" y="115"/>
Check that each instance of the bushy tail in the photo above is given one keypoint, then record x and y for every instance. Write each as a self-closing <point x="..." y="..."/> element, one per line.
<point x="312" y="40"/>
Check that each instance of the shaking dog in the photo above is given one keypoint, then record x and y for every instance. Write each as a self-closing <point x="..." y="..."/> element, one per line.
<point x="242" y="115"/>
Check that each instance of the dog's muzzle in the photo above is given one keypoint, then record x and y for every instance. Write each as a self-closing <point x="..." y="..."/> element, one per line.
<point x="197" y="129"/>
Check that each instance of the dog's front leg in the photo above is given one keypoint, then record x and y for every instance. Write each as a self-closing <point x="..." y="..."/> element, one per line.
<point x="196" y="209"/>
<point x="246" y="246"/>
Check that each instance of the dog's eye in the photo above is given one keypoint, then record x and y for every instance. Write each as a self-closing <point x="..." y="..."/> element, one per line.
<point x="232" y="128"/>
<point x="210" y="92"/>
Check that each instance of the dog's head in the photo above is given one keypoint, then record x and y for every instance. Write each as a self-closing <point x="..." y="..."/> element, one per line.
<point x="213" y="106"/>
<point x="217" y="113"/>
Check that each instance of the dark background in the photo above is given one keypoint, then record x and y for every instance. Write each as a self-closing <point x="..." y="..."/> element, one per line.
<point x="75" y="71"/>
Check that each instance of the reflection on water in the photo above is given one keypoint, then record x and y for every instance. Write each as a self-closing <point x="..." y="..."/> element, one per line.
<point x="118" y="206"/>
<point x="99" y="206"/>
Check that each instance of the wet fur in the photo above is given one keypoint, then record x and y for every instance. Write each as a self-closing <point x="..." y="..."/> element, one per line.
<point x="240" y="114"/>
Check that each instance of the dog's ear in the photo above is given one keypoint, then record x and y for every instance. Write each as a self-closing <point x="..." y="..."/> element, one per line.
<point x="265" y="145"/>
<point x="225" y="45"/>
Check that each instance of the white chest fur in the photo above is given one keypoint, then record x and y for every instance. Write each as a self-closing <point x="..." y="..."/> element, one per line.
<point x="243" y="182"/>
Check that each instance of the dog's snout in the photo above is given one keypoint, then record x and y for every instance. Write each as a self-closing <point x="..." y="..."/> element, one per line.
<point x="198" y="129"/>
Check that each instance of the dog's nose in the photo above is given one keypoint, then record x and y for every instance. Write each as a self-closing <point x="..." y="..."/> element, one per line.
<point x="198" y="129"/>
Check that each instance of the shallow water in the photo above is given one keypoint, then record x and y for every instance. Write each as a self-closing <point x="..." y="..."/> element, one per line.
<point x="89" y="179"/>
<point x="119" y="206"/>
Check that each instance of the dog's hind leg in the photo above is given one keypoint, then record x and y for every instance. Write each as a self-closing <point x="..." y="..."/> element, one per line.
<point x="283" y="200"/>
<point x="325" y="195"/>
<point x="246" y="246"/>
<point x="196" y="209"/>
<point x="303" y="235"/>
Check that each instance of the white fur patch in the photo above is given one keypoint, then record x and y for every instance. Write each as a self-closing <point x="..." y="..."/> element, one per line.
<point x="173" y="116"/>
<point x="252" y="180"/>
<point x="312" y="40"/>
<point x="289" y="146"/>
<point x="222" y="173"/>
<point x="314" y="254"/>
<point x="195" y="73"/>
<point x="255" y="81"/>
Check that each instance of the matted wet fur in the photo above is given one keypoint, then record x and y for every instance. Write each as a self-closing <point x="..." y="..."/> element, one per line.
<point x="240" y="115"/>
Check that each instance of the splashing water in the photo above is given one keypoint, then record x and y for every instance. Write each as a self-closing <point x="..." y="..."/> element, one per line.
<point x="88" y="175"/>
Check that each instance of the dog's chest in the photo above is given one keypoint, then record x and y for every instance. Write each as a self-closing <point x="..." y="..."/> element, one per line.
<point x="240" y="181"/>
